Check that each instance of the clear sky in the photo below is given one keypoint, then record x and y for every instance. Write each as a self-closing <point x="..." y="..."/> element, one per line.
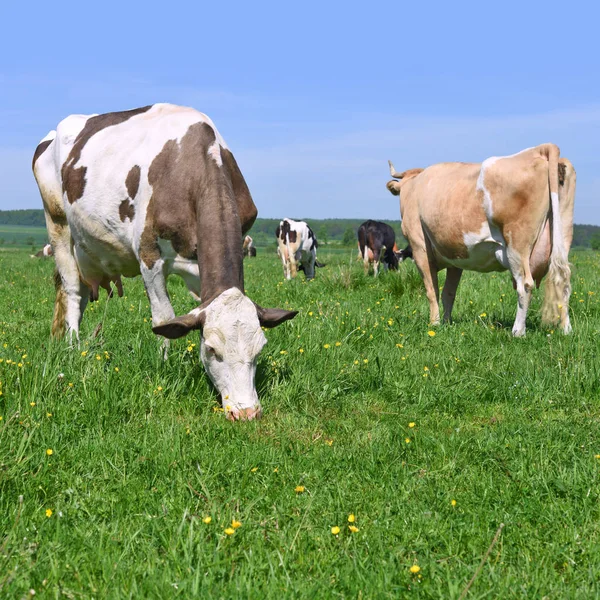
<point x="314" y="97"/>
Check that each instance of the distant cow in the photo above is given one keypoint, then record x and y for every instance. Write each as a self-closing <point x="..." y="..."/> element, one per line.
<point x="377" y="241"/>
<point x="155" y="190"/>
<point x="45" y="252"/>
<point x="248" y="247"/>
<point x="297" y="248"/>
<point x="512" y="212"/>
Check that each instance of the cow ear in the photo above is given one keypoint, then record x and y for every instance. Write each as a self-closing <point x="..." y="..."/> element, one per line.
<point x="180" y="326"/>
<point x="271" y="317"/>
<point x="394" y="187"/>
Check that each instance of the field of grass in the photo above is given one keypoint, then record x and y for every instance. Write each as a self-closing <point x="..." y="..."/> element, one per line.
<point x="22" y="236"/>
<point x="112" y="461"/>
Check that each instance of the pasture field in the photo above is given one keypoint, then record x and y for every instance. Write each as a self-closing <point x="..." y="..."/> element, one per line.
<point x="430" y="441"/>
<point x="20" y="235"/>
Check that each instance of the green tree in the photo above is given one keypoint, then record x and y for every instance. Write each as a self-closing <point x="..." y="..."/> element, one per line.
<point x="595" y="241"/>
<point x="322" y="236"/>
<point x="349" y="237"/>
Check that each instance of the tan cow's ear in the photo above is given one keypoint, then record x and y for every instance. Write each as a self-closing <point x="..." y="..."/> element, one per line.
<point x="180" y="326"/>
<point x="271" y="317"/>
<point x="394" y="187"/>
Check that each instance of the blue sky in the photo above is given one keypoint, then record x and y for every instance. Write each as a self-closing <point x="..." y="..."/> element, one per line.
<point x="314" y="97"/>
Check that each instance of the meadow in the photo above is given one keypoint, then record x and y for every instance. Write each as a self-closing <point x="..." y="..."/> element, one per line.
<point x="121" y="478"/>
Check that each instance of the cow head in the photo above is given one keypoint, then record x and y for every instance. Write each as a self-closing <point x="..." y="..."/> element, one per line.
<point x="231" y="340"/>
<point x="404" y="254"/>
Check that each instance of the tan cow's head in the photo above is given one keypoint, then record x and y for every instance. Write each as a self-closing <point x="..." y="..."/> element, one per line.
<point x="395" y="186"/>
<point x="231" y="341"/>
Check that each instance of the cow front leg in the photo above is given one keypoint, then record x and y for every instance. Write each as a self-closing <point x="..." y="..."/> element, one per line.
<point x="453" y="275"/>
<point x="155" y="282"/>
<point x="430" y="279"/>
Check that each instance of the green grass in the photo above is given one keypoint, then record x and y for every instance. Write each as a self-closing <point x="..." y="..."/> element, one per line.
<point x="21" y="236"/>
<point x="506" y="427"/>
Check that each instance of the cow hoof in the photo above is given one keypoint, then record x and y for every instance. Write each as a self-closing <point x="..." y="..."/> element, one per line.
<point x="244" y="414"/>
<point x="518" y="333"/>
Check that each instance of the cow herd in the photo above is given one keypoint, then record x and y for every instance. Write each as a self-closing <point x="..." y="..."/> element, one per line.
<point x="156" y="191"/>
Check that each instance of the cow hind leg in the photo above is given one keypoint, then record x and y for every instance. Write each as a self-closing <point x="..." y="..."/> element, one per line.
<point x="521" y="272"/>
<point x="71" y="293"/>
<point x="453" y="275"/>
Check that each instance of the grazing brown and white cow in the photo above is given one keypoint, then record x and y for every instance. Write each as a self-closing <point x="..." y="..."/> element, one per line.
<point x="297" y="248"/>
<point x="156" y="191"/>
<point x="45" y="252"/>
<point x="377" y="241"/>
<point x="248" y="247"/>
<point x="510" y="212"/>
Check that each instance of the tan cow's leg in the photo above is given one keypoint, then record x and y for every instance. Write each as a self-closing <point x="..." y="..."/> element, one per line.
<point x="430" y="279"/>
<point x="366" y="260"/>
<point x="521" y="272"/>
<point x="453" y="275"/>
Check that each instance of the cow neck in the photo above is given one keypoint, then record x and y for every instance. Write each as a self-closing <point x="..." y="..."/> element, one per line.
<point x="220" y="258"/>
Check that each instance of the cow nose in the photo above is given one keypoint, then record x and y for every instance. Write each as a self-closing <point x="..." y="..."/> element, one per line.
<point x="245" y="414"/>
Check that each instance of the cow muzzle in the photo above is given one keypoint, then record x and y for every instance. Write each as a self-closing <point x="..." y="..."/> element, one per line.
<point x="244" y="414"/>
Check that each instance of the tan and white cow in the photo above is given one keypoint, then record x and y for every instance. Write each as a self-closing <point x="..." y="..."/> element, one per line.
<point x="508" y="213"/>
<point x="156" y="191"/>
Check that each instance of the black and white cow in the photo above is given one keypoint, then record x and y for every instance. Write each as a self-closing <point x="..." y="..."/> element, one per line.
<point x="156" y="191"/>
<point x="297" y="248"/>
<point x="377" y="241"/>
<point x="45" y="252"/>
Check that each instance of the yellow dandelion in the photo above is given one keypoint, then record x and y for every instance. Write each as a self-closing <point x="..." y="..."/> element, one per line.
<point x="236" y="524"/>
<point x="207" y="520"/>
<point x="71" y="385"/>
<point x="47" y="414"/>
<point x="411" y="424"/>
<point x="98" y="357"/>
<point x="48" y="512"/>
<point x="276" y="470"/>
<point x="597" y="455"/>
<point x="453" y="502"/>
<point x="116" y="369"/>
<point x="355" y="362"/>
<point x="366" y="361"/>
<point x="338" y="343"/>
<point x="253" y="469"/>
<point x="431" y="333"/>
<point x="299" y="489"/>
<point x="0" y="417"/>
<point x="351" y="518"/>
<point x="335" y="530"/>
<point x="283" y="352"/>
<point x="329" y="442"/>
<point x="425" y="368"/>
<point x="49" y="452"/>
<point x="189" y="348"/>
<point x="415" y="569"/>
<point x="301" y="350"/>
<point x="353" y="528"/>
<point x="326" y="346"/>
<point x="84" y="353"/>
<point x="230" y="531"/>
<point x="399" y="346"/>
<point x="32" y="404"/>
<point x="310" y="314"/>
<point x="407" y="440"/>
<point x="482" y="315"/>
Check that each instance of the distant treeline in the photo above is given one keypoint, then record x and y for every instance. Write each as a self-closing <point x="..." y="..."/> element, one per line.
<point x="327" y="230"/>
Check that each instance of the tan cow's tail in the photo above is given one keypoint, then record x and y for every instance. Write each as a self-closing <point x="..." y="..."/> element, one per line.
<point x="60" y="306"/>
<point x="558" y="281"/>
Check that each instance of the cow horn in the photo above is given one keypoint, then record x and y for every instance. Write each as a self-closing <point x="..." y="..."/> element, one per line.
<point x="393" y="171"/>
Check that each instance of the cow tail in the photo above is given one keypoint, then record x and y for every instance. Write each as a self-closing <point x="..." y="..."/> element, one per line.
<point x="60" y="306"/>
<point x="558" y="281"/>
